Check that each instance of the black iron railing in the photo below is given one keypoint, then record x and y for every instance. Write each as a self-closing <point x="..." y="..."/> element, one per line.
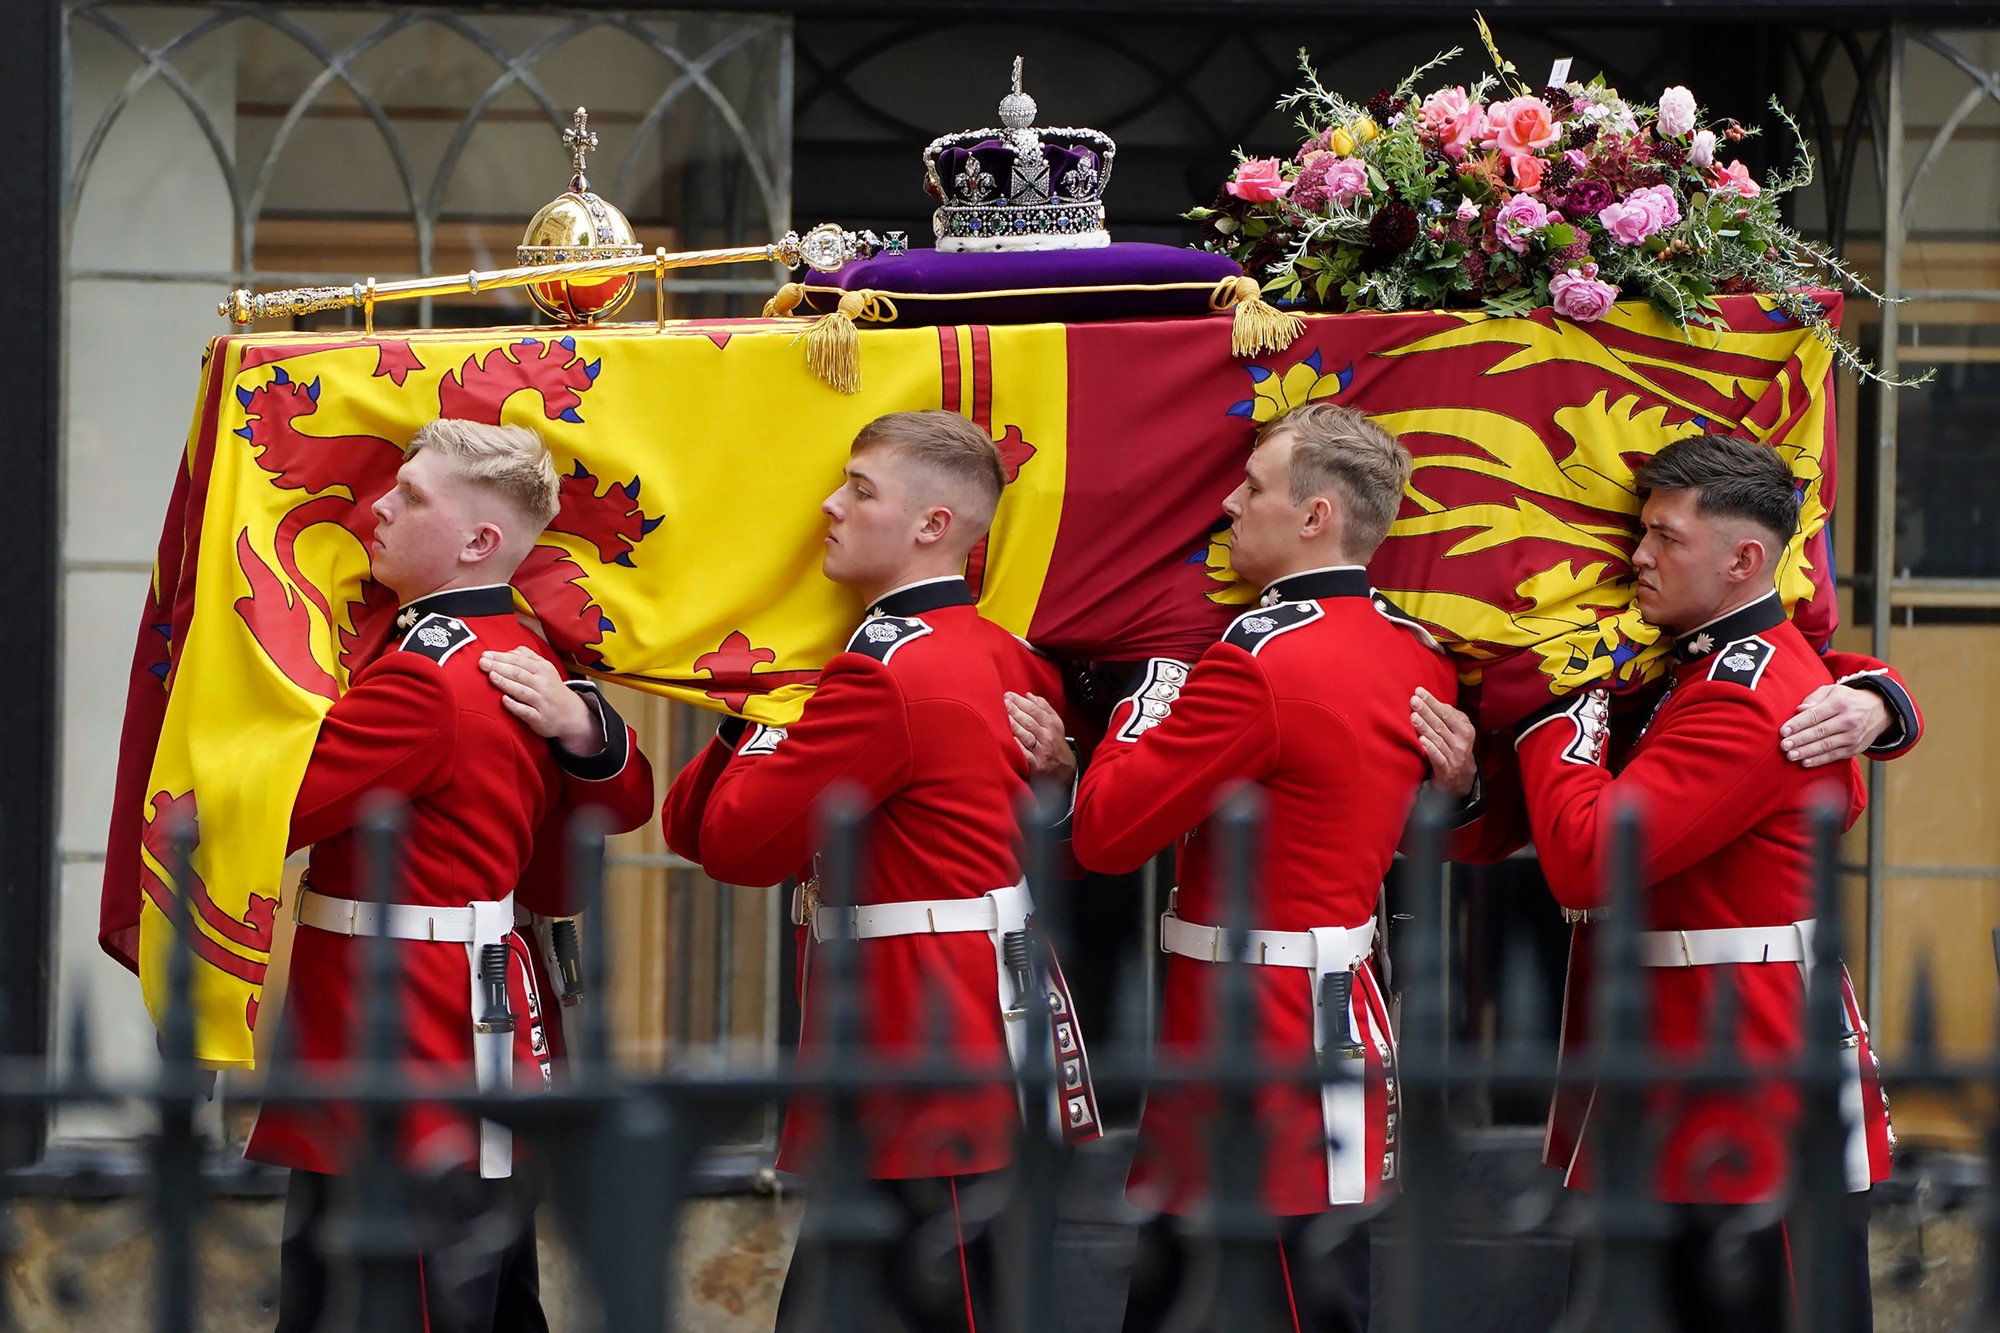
<point x="621" y="1154"/>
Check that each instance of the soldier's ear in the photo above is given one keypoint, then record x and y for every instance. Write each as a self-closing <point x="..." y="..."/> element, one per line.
<point x="1322" y="518"/>
<point x="1316" y="516"/>
<point x="1749" y="560"/>
<point x="484" y="541"/>
<point x="935" y="527"/>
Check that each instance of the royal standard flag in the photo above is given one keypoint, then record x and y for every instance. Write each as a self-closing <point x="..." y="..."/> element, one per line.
<point x="685" y="558"/>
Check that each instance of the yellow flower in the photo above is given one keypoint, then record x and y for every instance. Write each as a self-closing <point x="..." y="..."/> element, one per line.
<point x="1364" y="130"/>
<point x="1341" y="142"/>
<point x="1278" y="392"/>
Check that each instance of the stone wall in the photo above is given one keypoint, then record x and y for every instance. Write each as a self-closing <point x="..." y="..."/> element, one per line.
<point x="88" y="1265"/>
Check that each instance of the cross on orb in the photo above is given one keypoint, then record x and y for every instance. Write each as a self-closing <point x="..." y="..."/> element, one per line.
<point x="580" y="141"/>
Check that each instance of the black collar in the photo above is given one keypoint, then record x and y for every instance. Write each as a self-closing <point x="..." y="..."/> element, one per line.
<point x="1767" y="612"/>
<point x="495" y="599"/>
<point x="929" y="595"/>
<point x="1317" y="585"/>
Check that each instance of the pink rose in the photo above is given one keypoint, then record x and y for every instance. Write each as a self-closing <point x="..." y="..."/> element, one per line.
<point x="1735" y="176"/>
<point x="1527" y="172"/>
<point x="1676" y="112"/>
<point x="1518" y="220"/>
<point x="1346" y="180"/>
<point x="1576" y="158"/>
<point x="1640" y="214"/>
<point x="1520" y="126"/>
<point x="1627" y="224"/>
<point x="1260" y="180"/>
<point x="1326" y="177"/>
<point x="1701" y="151"/>
<point x="1452" y="121"/>
<point x="1578" y="295"/>
<point x="1660" y="202"/>
<point x="1467" y="210"/>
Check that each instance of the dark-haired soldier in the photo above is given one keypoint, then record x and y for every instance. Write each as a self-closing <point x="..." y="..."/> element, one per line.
<point x="1725" y="880"/>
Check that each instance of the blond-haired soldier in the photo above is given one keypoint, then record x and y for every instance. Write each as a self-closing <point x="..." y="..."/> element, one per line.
<point x="422" y="723"/>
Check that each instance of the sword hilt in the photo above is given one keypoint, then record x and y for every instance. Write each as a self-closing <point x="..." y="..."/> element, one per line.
<point x="1336" y="1003"/>
<point x="496" y="1017"/>
<point x="1014" y="953"/>
<point x="566" y="941"/>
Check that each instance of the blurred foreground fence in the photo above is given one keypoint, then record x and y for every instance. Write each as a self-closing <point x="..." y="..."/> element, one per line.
<point x="620" y="1156"/>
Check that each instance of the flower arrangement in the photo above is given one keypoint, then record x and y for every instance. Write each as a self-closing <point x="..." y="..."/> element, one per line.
<point x="1501" y="197"/>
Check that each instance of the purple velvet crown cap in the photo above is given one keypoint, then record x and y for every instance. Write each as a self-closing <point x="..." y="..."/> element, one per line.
<point x="1120" y="264"/>
<point x="996" y="159"/>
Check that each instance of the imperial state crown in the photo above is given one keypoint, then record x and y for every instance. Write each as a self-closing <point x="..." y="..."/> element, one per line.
<point x="1019" y="187"/>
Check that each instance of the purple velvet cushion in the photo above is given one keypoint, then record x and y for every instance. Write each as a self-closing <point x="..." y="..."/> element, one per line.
<point x="1120" y="264"/>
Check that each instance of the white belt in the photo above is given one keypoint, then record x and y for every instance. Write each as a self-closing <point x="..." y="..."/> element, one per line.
<point x="997" y="914"/>
<point x="1343" y="1100"/>
<point x="870" y="921"/>
<point x="1775" y="944"/>
<point x="1270" y="948"/>
<point x="399" y="921"/>
<point x="475" y="926"/>
<point x="1734" y="944"/>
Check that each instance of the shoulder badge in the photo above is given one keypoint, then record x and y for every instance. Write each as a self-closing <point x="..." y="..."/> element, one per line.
<point x="880" y="636"/>
<point x="1253" y="629"/>
<point x="1742" y="662"/>
<point x="1403" y="620"/>
<point x="437" y="637"/>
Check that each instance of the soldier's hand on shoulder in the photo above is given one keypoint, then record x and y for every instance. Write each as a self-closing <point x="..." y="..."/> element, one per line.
<point x="1834" y="724"/>
<point x="1447" y="737"/>
<point x="533" y="690"/>
<point x="1039" y="730"/>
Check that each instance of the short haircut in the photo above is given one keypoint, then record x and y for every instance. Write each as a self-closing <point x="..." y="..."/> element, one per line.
<point x="949" y="446"/>
<point x="511" y="461"/>
<point x="1731" y="478"/>
<point x="1336" y="449"/>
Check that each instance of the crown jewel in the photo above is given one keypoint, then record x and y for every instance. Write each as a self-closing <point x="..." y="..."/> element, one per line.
<point x="1019" y="187"/>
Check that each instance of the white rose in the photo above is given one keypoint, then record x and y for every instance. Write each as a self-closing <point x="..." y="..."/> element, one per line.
<point x="1676" y="112"/>
<point x="1702" y="151"/>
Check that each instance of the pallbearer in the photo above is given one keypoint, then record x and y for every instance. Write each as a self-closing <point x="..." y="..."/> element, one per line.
<point x="1726" y="883"/>
<point x="1308" y="696"/>
<point x="423" y="722"/>
<point x="910" y="718"/>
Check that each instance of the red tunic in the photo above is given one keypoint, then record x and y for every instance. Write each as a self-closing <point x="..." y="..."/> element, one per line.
<point x="423" y="723"/>
<point x="1726" y="843"/>
<point x="1310" y="699"/>
<point x="910" y="719"/>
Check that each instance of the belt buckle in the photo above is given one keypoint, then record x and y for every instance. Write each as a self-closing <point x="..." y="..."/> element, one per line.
<point x="808" y="900"/>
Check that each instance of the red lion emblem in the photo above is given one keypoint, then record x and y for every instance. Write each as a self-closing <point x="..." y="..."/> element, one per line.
<point x="172" y="813"/>
<point x="345" y="474"/>
<point x="479" y="389"/>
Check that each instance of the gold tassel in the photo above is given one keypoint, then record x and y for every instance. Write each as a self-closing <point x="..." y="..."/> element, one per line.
<point x="1259" y="326"/>
<point x="833" y="348"/>
<point x="785" y="300"/>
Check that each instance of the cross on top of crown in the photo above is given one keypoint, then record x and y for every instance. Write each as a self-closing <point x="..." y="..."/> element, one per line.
<point x="580" y="141"/>
<point x="1017" y="109"/>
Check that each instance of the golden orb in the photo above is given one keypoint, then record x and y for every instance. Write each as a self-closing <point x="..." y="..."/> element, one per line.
<point x="577" y="225"/>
